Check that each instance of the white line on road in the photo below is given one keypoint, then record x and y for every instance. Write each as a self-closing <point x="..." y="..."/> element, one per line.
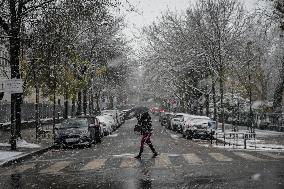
<point x="95" y="164"/>
<point x="220" y="157"/>
<point x="124" y="155"/>
<point x="55" y="168"/>
<point x="19" y="169"/>
<point x="162" y="161"/>
<point x="275" y="156"/>
<point x="129" y="162"/>
<point x="192" y="158"/>
<point x="248" y="156"/>
<point x="113" y="135"/>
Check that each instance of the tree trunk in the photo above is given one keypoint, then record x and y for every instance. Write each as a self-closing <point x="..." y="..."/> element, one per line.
<point x="110" y="102"/>
<point x="214" y="102"/>
<point x="73" y="107"/>
<point x="85" y="104"/>
<point x="278" y="93"/>
<point x="15" y="45"/>
<point x="221" y="102"/>
<point x="65" y="115"/>
<point x="207" y="105"/>
<point x="79" y="103"/>
<point x="97" y="103"/>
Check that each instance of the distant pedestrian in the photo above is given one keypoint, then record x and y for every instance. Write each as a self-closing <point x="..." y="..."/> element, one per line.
<point x="145" y="124"/>
<point x="164" y="129"/>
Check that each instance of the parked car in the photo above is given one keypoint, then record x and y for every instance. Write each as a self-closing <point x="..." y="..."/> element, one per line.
<point x="178" y="121"/>
<point x="166" y="119"/>
<point x="107" y="124"/>
<point x="129" y="114"/>
<point x="114" y="114"/>
<point x="199" y="127"/>
<point x="77" y="131"/>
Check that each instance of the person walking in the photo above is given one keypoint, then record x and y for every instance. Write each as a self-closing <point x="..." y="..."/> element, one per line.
<point x="145" y="124"/>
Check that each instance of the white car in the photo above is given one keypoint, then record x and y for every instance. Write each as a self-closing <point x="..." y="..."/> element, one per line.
<point x="107" y="124"/>
<point x="177" y="121"/>
<point x="199" y="127"/>
<point x="114" y="114"/>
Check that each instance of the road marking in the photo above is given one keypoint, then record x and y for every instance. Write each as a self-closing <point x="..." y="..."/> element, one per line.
<point x="220" y="157"/>
<point x="113" y="135"/>
<point x="162" y="161"/>
<point x="19" y="169"/>
<point x="124" y="155"/>
<point x="129" y="162"/>
<point x="248" y="156"/>
<point x="275" y="156"/>
<point x="93" y="165"/>
<point x="192" y="158"/>
<point x="55" y="168"/>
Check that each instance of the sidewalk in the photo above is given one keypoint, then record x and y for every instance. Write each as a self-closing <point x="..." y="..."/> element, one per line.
<point x="27" y="147"/>
<point x="264" y="140"/>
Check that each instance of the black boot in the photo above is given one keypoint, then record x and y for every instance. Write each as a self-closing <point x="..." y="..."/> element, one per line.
<point x="155" y="154"/>
<point x="140" y="153"/>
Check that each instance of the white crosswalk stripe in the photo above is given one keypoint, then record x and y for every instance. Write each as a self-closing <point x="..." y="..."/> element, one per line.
<point x="19" y="169"/>
<point x="192" y="158"/>
<point x="94" y="165"/>
<point x="248" y="156"/>
<point x="56" y="168"/>
<point x="272" y="155"/>
<point x="162" y="161"/>
<point x="129" y="162"/>
<point x="220" y="157"/>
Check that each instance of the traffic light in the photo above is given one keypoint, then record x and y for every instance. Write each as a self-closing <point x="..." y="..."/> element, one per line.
<point x="1" y="95"/>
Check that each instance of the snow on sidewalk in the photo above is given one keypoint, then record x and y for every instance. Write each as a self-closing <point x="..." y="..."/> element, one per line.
<point x="6" y="155"/>
<point x="22" y="144"/>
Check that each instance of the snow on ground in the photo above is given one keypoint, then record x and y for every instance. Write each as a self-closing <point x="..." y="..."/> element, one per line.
<point x="174" y="136"/>
<point x="113" y="135"/>
<point x="6" y="155"/>
<point x="22" y="144"/>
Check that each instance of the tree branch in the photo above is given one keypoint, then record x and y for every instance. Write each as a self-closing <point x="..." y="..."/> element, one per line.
<point x="34" y="7"/>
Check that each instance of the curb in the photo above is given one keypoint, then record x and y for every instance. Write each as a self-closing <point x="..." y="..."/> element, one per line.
<point x="26" y="156"/>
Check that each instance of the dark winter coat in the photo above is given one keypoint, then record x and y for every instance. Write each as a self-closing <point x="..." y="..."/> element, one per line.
<point x="145" y="123"/>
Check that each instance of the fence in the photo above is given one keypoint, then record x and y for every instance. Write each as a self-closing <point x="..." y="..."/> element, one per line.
<point x="28" y="111"/>
<point x="271" y="121"/>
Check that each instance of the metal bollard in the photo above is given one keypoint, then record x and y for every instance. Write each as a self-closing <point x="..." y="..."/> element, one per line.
<point x="245" y="143"/>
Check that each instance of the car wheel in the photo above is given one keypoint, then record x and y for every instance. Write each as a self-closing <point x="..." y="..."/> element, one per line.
<point x="89" y="145"/>
<point x="57" y="146"/>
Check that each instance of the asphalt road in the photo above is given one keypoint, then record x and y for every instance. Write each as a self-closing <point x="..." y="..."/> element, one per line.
<point x="181" y="164"/>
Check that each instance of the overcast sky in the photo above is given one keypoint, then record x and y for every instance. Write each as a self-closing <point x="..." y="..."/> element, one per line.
<point x="150" y="10"/>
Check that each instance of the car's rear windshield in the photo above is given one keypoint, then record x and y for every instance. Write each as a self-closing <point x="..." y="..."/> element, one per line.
<point x="74" y="123"/>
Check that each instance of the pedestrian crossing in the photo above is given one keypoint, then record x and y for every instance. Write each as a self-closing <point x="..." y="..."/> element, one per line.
<point x="164" y="160"/>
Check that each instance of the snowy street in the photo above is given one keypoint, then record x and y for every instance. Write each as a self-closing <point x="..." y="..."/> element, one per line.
<point x="132" y="94"/>
<point x="181" y="164"/>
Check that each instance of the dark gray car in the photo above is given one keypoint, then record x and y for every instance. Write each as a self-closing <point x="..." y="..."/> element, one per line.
<point x="76" y="131"/>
